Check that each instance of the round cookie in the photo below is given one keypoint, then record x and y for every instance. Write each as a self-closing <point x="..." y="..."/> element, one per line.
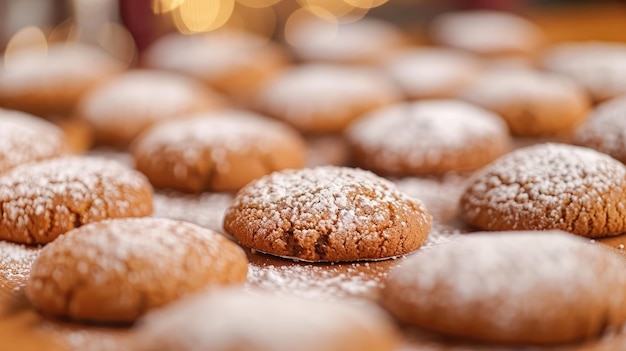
<point x="429" y="73"/>
<point x="116" y="270"/>
<point x="216" y="151"/>
<point x="605" y="129"/>
<point x="427" y="137"/>
<point x="318" y="98"/>
<point x="532" y="103"/>
<point x="52" y="83"/>
<point x="119" y="110"/>
<point x="365" y="41"/>
<point x="40" y="201"/>
<point x="599" y="67"/>
<point x="549" y="186"/>
<point x="517" y="288"/>
<point x="327" y="214"/>
<point x="235" y="63"/>
<point x="229" y="319"/>
<point x="487" y="33"/>
<point x="25" y="138"/>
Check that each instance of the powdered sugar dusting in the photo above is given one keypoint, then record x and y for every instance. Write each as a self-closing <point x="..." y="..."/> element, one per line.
<point x="440" y="196"/>
<point x="605" y="129"/>
<point x="24" y="138"/>
<point x="15" y="263"/>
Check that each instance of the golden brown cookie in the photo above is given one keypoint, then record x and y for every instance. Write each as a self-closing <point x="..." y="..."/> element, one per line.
<point x="365" y="41"/>
<point x="319" y="98"/>
<point x="532" y="103"/>
<point x="517" y="288"/>
<point x="25" y="138"/>
<point x="605" y="129"/>
<point x="327" y="214"/>
<point x="216" y="151"/>
<point x="426" y="137"/>
<point x="235" y="63"/>
<point x="78" y="133"/>
<point x="40" y="201"/>
<point x="487" y="33"/>
<point x="116" y="270"/>
<point x="549" y="186"/>
<point x="229" y="319"/>
<point x="52" y="83"/>
<point x="123" y="107"/>
<point x="429" y="73"/>
<point x="599" y="67"/>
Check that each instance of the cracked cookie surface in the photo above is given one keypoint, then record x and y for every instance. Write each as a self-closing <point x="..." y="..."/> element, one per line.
<point x="40" y="201"/>
<point x="515" y="287"/>
<point x="116" y="270"/>
<point x="549" y="186"/>
<point x="217" y="151"/>
<point x="327" y="214"/>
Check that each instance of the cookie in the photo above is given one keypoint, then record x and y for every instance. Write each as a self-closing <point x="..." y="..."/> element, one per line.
<point x="235" y="63"/>
<point x="600" y="67"/>
<point x="40" y="201"/>
<point x="119" y="110"/>
<point x="25" y="138"/>
<point x="515" y="288"/>
<point x="427" y="137"/>
<point x="429" y="73"/>
<point x="487" y="33"/>
<point x="327" y="214"/>
<point x="51" y="84"/>
<point x="365" y="41"/>
<point x="229" y="319"/>
<point x="116" y="270"/>
<point x="319" y="98"/>
<point x="549" y="186"/>
<point x="216" y="151"/>
<point x="532" y="103"/>
<point x="605" y="129"/>
<point x="78" y="133"/>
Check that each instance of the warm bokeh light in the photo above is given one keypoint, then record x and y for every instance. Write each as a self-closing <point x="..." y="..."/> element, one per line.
<point x="28" y="37"/>
<point x="365" y="4"/>
<point x="165" y="6"/>
<point x="117" y="40"/>
<point x="322" y="8"/>
<point x="258" y="3"/>
<point x="196" y="16"/>
<point x="261" y="21"/>
<point x="64" y="31"/>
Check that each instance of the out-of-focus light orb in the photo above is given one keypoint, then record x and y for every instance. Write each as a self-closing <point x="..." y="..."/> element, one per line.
<point x="64" y="31"/>
<point x="293" y="34"/>
<point x="324" y="8"/>
<point x="365" y="4"/>
<point x="260" y="21"/>
<point x="165" y="6"/>
<point x="117" y="40"/>
<point x="28" y="37"/>
<point x="258" y="3"/>
<point x="197" y="16"/>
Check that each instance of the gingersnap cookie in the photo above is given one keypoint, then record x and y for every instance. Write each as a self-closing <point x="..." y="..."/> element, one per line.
<point x="605" y="129"/>
<point x="327" y="214"/>
<point x="487" y="33"/>
<point x="116" y="270"/>
<point x="549" y="186"/>
<point x="518" y="288"/>
<point x="365" y="41"/>
<point x="235" y="63"/>
<point x="532" y="103"/>
<point x="40" y="201"/>
<point x="429" y="73"/>
<point x="123" y="107"/>
<point x="318" y="98"/>
<point x="426" y="137"/>
<point x="216" y="151"/>
<point x="229" y="319"/>
<point x="51" y="83"/>
<point x="25" y="138"/>
<point x="599" y="67"/>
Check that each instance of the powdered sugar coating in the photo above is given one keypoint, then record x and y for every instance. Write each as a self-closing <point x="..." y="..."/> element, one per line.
<point x="486" y="32"/>
<point x="327" y="214"/>
<point x="430" y="136"/>
<point x="25" y="138"/>
<point x="150" y="261"/>
<point x="605" y="129"/>
<point x="42" y="200"/>
<point x="432" y="73"/>
<point x="326" y="98"/>
<point x="549" y="186"/>
<point x="15" y="263"/>
<point x="524" y="287"/>
<point x="228" y="319"/>
<point x="598" y="66"/>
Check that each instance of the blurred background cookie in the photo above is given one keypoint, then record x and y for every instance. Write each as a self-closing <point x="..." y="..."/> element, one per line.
<point x="605" y="129"/>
